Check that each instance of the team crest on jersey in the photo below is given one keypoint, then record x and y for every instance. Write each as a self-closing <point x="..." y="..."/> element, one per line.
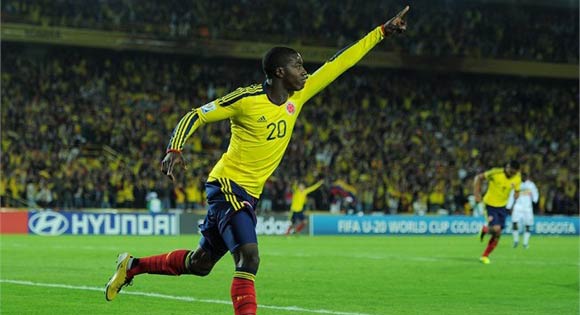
<point x="290" y="108"/>
<point x="208" y="107"/>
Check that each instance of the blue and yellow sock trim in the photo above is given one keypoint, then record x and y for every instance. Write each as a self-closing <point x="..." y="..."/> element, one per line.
<point x="245" y="275"/>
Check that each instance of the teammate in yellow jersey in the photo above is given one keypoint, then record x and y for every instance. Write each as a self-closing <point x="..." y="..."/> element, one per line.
<point x="501" y="181"/>
<point x="299" y="195"/>
<point x="262" y="119"/>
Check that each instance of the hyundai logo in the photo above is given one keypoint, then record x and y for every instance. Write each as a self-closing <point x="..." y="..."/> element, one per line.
<point x="47" y="223"/>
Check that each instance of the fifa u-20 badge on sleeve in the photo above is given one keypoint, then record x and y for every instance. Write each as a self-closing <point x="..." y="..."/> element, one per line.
<point x="208" y="107"/>
<point x="290" y="108"/>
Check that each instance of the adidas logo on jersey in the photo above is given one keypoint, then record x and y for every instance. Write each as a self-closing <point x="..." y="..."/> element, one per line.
<point x="262" y="119"/>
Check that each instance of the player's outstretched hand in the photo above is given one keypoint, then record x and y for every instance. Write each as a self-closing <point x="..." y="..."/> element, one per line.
<point x="169" y="161"/>
<point x="397" y="24"/>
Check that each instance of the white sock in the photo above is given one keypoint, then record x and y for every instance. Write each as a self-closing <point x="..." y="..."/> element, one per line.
<point x="516" y="236"/>
<point x="130" y="263"/>
<point x="527" y="238"/>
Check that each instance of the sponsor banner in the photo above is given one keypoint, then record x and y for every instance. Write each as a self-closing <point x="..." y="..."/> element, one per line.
<point x="51" y="223"/>
<point x="13" y="222"/>
<point x="274" y="225"/>
<point x="188" y="223"/>
<point x="266" y="225"/>
<point x="425" y="225"/>
<point x="552" y="226"/>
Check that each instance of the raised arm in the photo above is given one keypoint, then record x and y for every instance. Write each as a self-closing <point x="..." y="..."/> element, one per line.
<point x="349" y="56"/>
<point x="314" y="187"/>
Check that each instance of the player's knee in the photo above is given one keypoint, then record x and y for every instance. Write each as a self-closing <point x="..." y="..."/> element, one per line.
<point x="496" y="231"/>
<point x="251" y="261"/>
<point x="248" y="257"/>
<point x="200" y="263"/>
<point x="200" y="269"/>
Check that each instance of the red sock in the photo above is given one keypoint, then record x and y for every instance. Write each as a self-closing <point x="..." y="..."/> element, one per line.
<point x="300" y="227"/>
<point x="244" y="294"/>
<point x="172" y="263"/>
<point x="288" y="230"/>
<point x="490" y="246"/>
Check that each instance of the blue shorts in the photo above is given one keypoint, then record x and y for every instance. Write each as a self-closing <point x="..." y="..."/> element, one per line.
<point x="230" y="220"/>
<point x="297" y="217"/>
<point x="497" y="214"/>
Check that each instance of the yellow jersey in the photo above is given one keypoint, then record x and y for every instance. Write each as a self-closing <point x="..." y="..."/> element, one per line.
<point x="299" y="196"/>
<point x="260" y="129"/>
<point x="499" y="187"/>
<point x="179" y="195"/>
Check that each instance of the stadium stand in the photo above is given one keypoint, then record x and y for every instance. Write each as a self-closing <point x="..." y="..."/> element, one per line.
<point x="87" y="128"/>
<point x="522" y="31"/>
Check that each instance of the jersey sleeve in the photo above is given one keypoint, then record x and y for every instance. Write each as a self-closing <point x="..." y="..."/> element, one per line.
<point x="492" y="172"/>
<point x="511" y="200"/>
<point x="313" y="187"/>
<point x="220" y="109"/>
<point x="535" y="193"/>
<point x="340" y="62"/>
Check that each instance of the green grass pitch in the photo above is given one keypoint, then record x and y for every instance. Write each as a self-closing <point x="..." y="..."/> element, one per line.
<point x="299" y="275"/>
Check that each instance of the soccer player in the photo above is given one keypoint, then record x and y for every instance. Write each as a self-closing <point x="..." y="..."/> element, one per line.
<point x="262" y="118"/>
<point x="523" y="209"/>
<point x="299" y="195"/>
<point x="501" y="181"/>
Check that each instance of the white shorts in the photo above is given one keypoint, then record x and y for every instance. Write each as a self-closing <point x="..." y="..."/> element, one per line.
<point x="523" y="216"/>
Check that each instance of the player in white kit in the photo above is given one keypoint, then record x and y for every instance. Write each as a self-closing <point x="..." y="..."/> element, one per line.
<point x="523" y="209"/>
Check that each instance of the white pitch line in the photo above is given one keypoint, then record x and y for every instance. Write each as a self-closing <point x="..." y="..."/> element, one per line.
<point x="177" y="298"/>
<point x="421" y="258"/>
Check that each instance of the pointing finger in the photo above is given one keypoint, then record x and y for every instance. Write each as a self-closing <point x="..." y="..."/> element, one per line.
<point x="403" y="12"/>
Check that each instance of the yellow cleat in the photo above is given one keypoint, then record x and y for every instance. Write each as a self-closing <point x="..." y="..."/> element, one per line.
<point x="485" y="260"/>
<point x="119" y="279"/>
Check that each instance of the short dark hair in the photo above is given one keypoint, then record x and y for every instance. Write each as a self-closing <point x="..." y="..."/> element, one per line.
<point x="276" y="57"/>
<point x="514" y="164"/>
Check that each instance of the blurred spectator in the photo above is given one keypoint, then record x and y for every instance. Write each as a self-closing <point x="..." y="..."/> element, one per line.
<point x="179" y="197"/>
<point x="44" y="196"/>
<point x="265" y="205"/>
<point x="419" y="204"/>
<point x="31" y="195"/>
<point x="437" y="198"/>
<point x="193" y="193"/>
<point x="153" y="203"/>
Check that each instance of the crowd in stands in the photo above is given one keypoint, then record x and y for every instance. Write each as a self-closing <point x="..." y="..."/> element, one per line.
<point x="88" y="128"/>
<point x="477" y="29"/>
